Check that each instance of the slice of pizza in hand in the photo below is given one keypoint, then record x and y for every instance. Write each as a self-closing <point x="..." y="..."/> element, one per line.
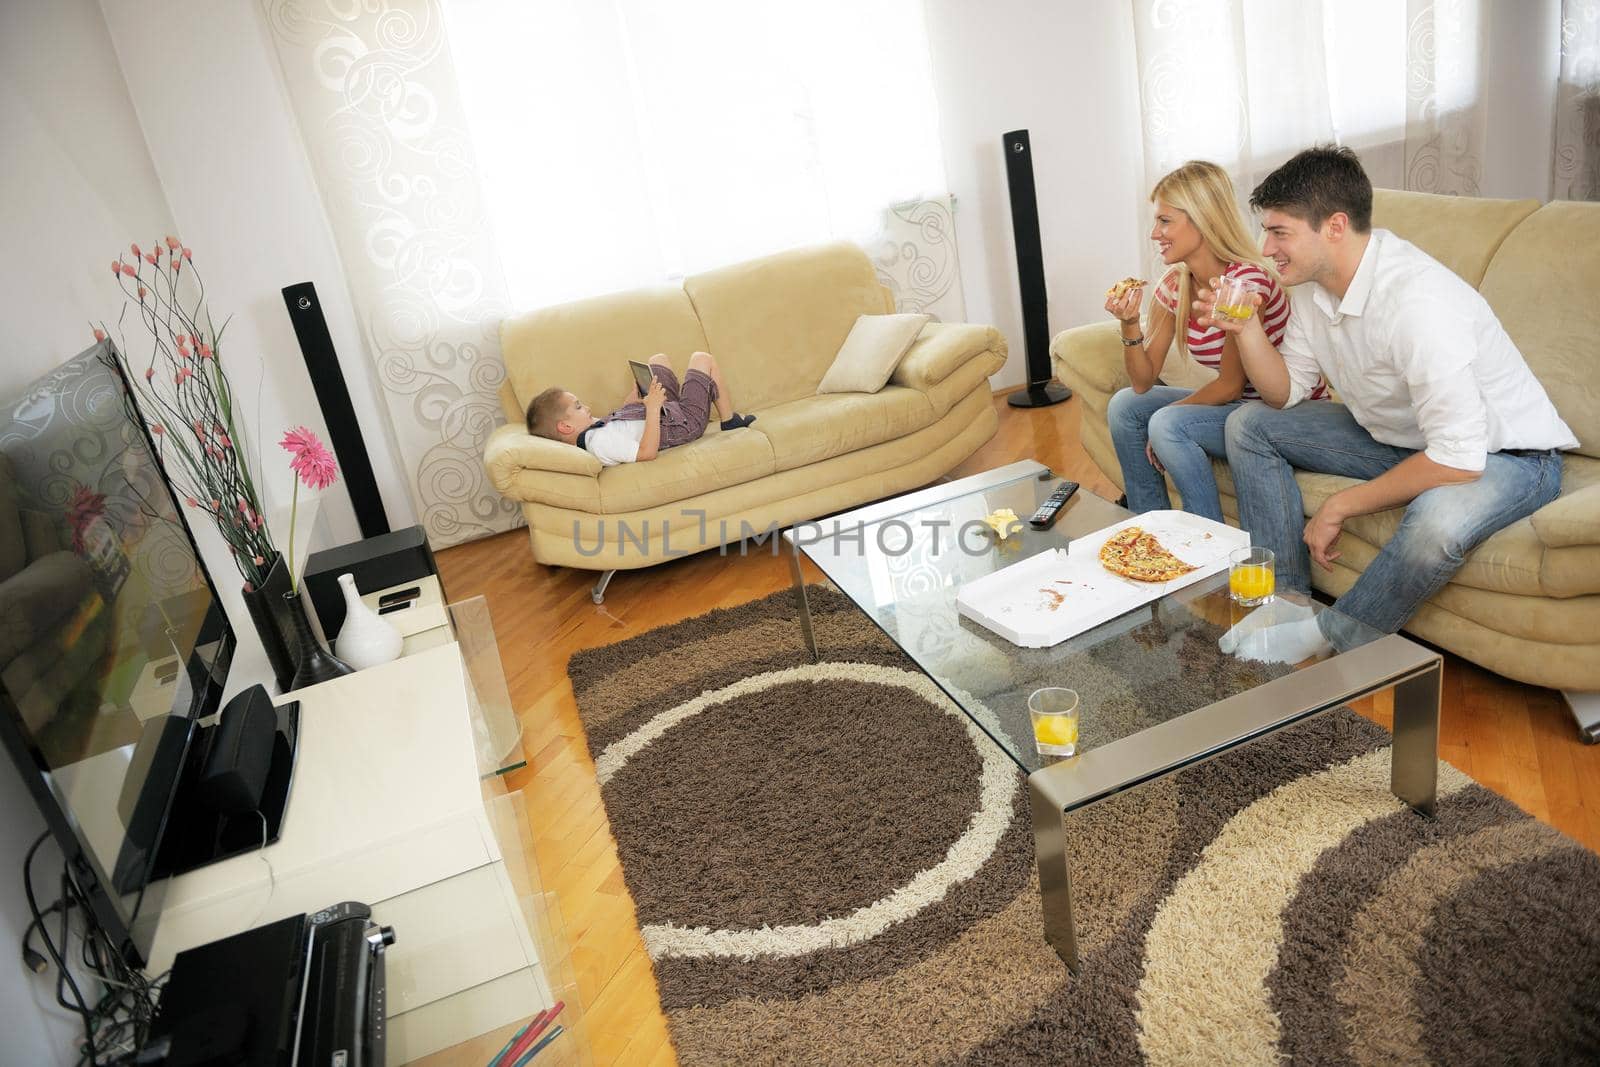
<point x="1133" y="553"/>
<point x="1125" y="286"/>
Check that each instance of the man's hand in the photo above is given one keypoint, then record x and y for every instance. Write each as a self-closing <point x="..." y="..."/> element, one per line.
<point x="656" y="397"/>
<point x="1322" y="533"/>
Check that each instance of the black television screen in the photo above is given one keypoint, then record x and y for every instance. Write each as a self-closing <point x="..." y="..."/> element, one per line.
<point x="112" y="641"/>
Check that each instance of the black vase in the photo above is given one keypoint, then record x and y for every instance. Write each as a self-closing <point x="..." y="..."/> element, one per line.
<point x="315" y="663"/>
<point x="275" y="627"/>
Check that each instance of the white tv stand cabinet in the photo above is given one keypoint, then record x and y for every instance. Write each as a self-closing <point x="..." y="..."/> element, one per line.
<point x="389" y="806"/>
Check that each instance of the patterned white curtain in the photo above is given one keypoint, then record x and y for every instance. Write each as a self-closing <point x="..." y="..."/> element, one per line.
<point x="1446" y="56"/>
<point x="480" y="157"/>
<point x="374" y="88"/>
<point x="915" y="256"/>
<point x="1246" y="83"/>
<point x="1575" y="173"/>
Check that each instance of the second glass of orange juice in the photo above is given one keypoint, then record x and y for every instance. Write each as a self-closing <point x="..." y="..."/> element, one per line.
<point x="1252" y="579"/>
<point x="1054" y="712"/>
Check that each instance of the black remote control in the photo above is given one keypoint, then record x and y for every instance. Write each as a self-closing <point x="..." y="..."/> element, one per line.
<point x="1045" y="517"/>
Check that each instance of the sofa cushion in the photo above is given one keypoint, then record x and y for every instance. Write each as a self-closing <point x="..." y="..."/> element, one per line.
<point x="775" y="323"/>
<point x="1542" y="285"/>
<point x="971" y="375"/>
<point x="942" y="349"/>
<point x="1462" y="232"/>
<point x="871" y="352"/>
<point x="585" y="346"/>
<point x="815" y="428"/>
<point x="1512" y="560"/>
<point x="715" y="461"/>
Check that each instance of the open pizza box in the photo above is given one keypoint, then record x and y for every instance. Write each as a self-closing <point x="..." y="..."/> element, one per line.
<point x="1045" y="599"/>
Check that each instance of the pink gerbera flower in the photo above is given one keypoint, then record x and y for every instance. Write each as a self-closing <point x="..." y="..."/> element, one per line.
<point x="312" y="461"/>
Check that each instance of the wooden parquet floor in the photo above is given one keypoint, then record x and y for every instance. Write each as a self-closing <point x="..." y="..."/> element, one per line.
<point x="1516" y="739"/>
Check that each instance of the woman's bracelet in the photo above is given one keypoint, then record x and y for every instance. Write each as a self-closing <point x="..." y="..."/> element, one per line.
<point x="1129" y="342"/>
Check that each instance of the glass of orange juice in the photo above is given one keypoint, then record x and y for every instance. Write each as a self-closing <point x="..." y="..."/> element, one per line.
<point x="1055" y="720"/>
<point x="1233" y="298"/>
<point x="1252" y="579"/>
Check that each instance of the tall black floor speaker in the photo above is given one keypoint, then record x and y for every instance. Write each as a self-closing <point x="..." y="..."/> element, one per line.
<point x="1041" y="391"/>
<point x="311" y="329"/>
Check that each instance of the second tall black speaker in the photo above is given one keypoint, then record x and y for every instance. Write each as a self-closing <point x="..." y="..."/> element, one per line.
<point x="1030" y="276"/>
<point x="311" y="330"/>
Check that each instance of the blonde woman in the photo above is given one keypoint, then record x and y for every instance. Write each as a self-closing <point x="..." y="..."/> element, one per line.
<point x="1158" y="428"/>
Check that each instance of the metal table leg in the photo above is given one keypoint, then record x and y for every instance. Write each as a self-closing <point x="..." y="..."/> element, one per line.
<point x="1055" y="885"/>
<point x="1585" y="708"/>
<point x="805" y="603"/>
<point x="1414" y="758"/>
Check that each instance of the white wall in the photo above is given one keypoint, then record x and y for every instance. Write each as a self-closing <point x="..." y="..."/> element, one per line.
<point x="37" y="1031"/>
<point x="79" y="184"/>
<point x="1523" y="65"/>
<point x="1066" y="73"/>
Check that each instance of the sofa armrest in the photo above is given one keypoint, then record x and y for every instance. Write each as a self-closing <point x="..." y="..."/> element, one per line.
<point x="512" y="450"/>
<point x="1570" y="520"/>
<point x="1088" y="359"/>
<point x="941" y="348"/>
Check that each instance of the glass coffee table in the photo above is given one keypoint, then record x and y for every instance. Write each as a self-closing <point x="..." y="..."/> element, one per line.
<point x="1159" y="692"/>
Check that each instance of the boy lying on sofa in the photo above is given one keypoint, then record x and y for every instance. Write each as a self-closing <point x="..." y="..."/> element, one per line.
<point x="666" y="416"/>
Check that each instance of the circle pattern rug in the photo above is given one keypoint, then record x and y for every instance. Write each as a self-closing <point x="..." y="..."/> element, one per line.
<point x="833" y="865"/>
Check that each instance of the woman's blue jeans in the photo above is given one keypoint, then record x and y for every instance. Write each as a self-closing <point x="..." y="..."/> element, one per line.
<point x="1185" y="437"/>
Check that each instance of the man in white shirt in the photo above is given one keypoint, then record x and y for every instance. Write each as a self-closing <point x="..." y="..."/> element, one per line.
<point x="1440" y="413"/>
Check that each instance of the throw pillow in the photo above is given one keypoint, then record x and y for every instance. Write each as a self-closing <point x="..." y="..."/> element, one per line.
<point x="871" y="353"/>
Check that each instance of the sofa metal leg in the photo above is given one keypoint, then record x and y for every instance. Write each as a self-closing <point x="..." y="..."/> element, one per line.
<point x="1585" y="708"/>
<point x="598" y="593"/>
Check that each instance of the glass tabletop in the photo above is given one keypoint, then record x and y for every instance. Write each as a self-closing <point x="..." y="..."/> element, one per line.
<point x="903" y="561"/>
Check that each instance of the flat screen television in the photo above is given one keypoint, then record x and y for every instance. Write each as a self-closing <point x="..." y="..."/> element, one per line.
<point x="112" y="642"/>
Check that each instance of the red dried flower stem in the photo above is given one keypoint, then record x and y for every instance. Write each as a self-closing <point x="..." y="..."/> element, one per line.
<point x="192" y="394"/>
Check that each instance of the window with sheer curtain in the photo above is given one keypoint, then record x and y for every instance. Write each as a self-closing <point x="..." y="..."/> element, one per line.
<point x="625" y="142"/>
<point x="1248" y="82"/>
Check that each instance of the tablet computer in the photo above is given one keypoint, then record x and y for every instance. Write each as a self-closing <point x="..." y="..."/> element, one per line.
<point x="641" y="376"/>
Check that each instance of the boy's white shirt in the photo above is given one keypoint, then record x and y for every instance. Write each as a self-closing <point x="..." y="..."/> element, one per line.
<point x="615" y="442"/>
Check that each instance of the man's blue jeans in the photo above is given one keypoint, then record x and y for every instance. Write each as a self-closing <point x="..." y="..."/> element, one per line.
<point x="1440" y="526"/>
<point x="1183" y="436"/>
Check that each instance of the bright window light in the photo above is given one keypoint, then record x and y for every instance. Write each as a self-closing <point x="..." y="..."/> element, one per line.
<point x="626" y="143"/>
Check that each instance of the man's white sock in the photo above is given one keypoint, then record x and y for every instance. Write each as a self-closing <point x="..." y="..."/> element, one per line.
<point x="1279" y="632"/>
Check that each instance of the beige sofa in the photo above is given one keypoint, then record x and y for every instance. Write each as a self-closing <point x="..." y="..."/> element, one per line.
<point x="774" y="325"/>
<point x="1526" y="603"/>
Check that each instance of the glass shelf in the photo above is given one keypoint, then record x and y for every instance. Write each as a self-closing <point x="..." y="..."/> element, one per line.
<point x="545" y="981"/>
<point x="497" y="732"/>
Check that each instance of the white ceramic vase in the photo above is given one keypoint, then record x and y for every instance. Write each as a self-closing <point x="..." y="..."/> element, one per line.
<point x="366" y="639"/>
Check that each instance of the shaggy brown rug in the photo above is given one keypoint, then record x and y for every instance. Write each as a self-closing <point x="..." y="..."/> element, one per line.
<point x="832" y="865"/>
